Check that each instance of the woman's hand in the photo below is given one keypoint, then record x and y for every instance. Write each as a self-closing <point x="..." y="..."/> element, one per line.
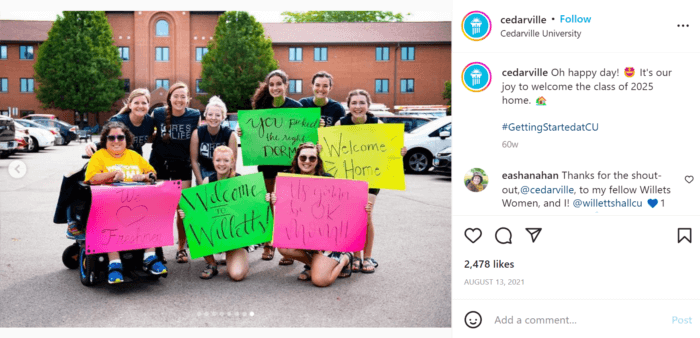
<point x="323" y="123"/>
<point x="369" y="207"/>
<point x="403" y="151"/>
<point x="319" y="147"/>
<point x="182" y="213"/>
<point x="90" y="149"/>
<point x="118" y="176"/>
<point x="239" y="132"/>
<point x="271" y="197"/>
<point x="139" y="178"/>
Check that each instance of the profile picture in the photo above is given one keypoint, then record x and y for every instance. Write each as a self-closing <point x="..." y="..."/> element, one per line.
<point x="476" y="180"/>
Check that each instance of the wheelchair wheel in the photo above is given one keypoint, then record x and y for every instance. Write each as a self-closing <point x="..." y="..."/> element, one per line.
<point x="71" y="255"/>
<point x="88" y="275"/>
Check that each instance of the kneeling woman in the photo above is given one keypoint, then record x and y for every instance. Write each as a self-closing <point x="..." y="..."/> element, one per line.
<point x="116" y="163"/>
<point x="236" y="260"/>
<point x="324" y="266"/>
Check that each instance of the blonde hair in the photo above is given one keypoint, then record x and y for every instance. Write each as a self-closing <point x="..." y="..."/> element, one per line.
<point x="216" y="101"/>
<point x="134" y="94"/>
<point x="225" y="149"/>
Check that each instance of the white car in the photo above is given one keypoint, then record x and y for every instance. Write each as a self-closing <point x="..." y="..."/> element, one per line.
<point x="423" y="144"/>
<point x="41" y="138"/>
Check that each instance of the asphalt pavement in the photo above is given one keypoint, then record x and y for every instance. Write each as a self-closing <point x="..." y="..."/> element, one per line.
<point x="410" y="288"/>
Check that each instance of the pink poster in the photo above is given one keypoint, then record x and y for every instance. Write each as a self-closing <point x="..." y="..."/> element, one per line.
<point x="131" y="217"/>
<point x="320" y="214"/>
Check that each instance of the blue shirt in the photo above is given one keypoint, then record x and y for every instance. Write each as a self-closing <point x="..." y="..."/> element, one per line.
<point x="330" y="113"/>
<point x="181" y="129"/>
<point x="207" y="144"/>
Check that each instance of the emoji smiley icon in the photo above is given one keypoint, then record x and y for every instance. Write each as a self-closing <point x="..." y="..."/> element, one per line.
<point x="472" y="319"/>
<point x="629" y="71"/>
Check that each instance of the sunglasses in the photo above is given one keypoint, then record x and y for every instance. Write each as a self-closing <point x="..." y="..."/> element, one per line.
<point x="303" y="158"/>
<point x="116" y="137"/>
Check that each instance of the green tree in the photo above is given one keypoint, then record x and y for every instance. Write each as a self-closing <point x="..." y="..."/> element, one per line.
<point x="78" y="66"/>
<point x="343" y="16"/>
<point x="239" y="57"/>
<point x="447" y="95"/>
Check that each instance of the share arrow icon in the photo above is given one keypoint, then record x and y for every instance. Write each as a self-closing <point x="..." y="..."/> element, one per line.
<point x="534" y="233"/>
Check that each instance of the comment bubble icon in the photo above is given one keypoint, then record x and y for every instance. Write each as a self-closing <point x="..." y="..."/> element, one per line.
<point x="504" y="236"/>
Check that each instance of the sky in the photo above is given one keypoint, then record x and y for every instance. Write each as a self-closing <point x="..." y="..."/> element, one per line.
<point x="261" y="16"/>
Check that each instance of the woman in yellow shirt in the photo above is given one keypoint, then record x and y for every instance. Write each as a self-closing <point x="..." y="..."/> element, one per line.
<point x="116" y="163"/>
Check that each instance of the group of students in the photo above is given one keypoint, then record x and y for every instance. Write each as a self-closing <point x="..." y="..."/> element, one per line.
<point x="181" y="146"/>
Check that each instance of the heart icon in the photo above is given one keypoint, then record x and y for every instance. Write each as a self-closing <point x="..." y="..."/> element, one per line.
<point x="689" y="179"/>
<point x="472" y="235"/>
<point x="653" y="202"/>
<point x="128" y="216"/>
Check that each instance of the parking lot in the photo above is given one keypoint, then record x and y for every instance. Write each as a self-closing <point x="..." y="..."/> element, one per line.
<point x="411" y="287"/>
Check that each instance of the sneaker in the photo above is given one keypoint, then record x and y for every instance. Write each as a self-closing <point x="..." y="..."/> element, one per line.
<point x="74" y="233"/>
<point x="157" y="268"/>
<point x="114" y="274"/>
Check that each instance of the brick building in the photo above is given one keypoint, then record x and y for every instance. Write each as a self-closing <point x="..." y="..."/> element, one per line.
<point x="398" y="63"/>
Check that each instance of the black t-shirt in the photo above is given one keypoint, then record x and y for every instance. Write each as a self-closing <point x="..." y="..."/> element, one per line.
<point x="178" y="149"/>
<point x="288" y="103"/>
<point x="141" y="133"/>
<point x="207" y="144"/>
<point x="347" y="120"/>
<point x="270" y="171"/>
<point x="330" y="113"/>
<point x="212" y="177"/>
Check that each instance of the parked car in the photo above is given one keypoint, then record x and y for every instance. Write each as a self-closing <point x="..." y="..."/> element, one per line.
<point x="69" y="132"/>
<point x="55" y="132"/>
<point x="7" y="136"/>
<point x="40" y="117"/>
<point x="41" y="138"/>
<point x="409" y="122"/>
<point x="423" y="143"/>
<point x="442" y="163"/>
<point x="24" y="141"/>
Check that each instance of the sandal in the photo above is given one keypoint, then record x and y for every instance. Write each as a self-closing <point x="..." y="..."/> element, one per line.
<point x="286" y="261"/>
<point x="268" y="253"/>
<point x="356" y="264"/>
<point x="305" y="275"/>
<point x="369" y="264"/>
<point x="347" y="269"/>
<point x="209" y="272"/>
<point x="181" y="256"/>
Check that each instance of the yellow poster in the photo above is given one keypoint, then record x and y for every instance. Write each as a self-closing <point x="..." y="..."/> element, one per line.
<point x="370" y="153"/>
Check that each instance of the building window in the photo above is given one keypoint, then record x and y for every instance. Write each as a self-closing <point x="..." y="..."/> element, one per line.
<point x="321" y="54"/>
<point x="407" y="85"/>
<point x="382" y="54"/>
<point x="294" y="53"/>
<point x="162" y="84"/>
<point x="5" y="113"/>
<point x="199" y="90"/>
<point x="26" y="52"/>
<point x="26" y="85"/>
<point x="3" y="85"/>
<point x="201" y="51"/>
<point x="408" y="53"/>
<point x="3" y="52"/>
<point x="127" y="85"/>
<point x="124" y="53"/>
<point x="162" y="28"/>
<point x="162" y="54"/>
<point x="381" y="86"/>
<point x="295" y="86"/>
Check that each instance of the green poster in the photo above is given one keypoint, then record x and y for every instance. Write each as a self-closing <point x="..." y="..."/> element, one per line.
<point x="272" y="136"/>
<point x="226" y="215"/>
